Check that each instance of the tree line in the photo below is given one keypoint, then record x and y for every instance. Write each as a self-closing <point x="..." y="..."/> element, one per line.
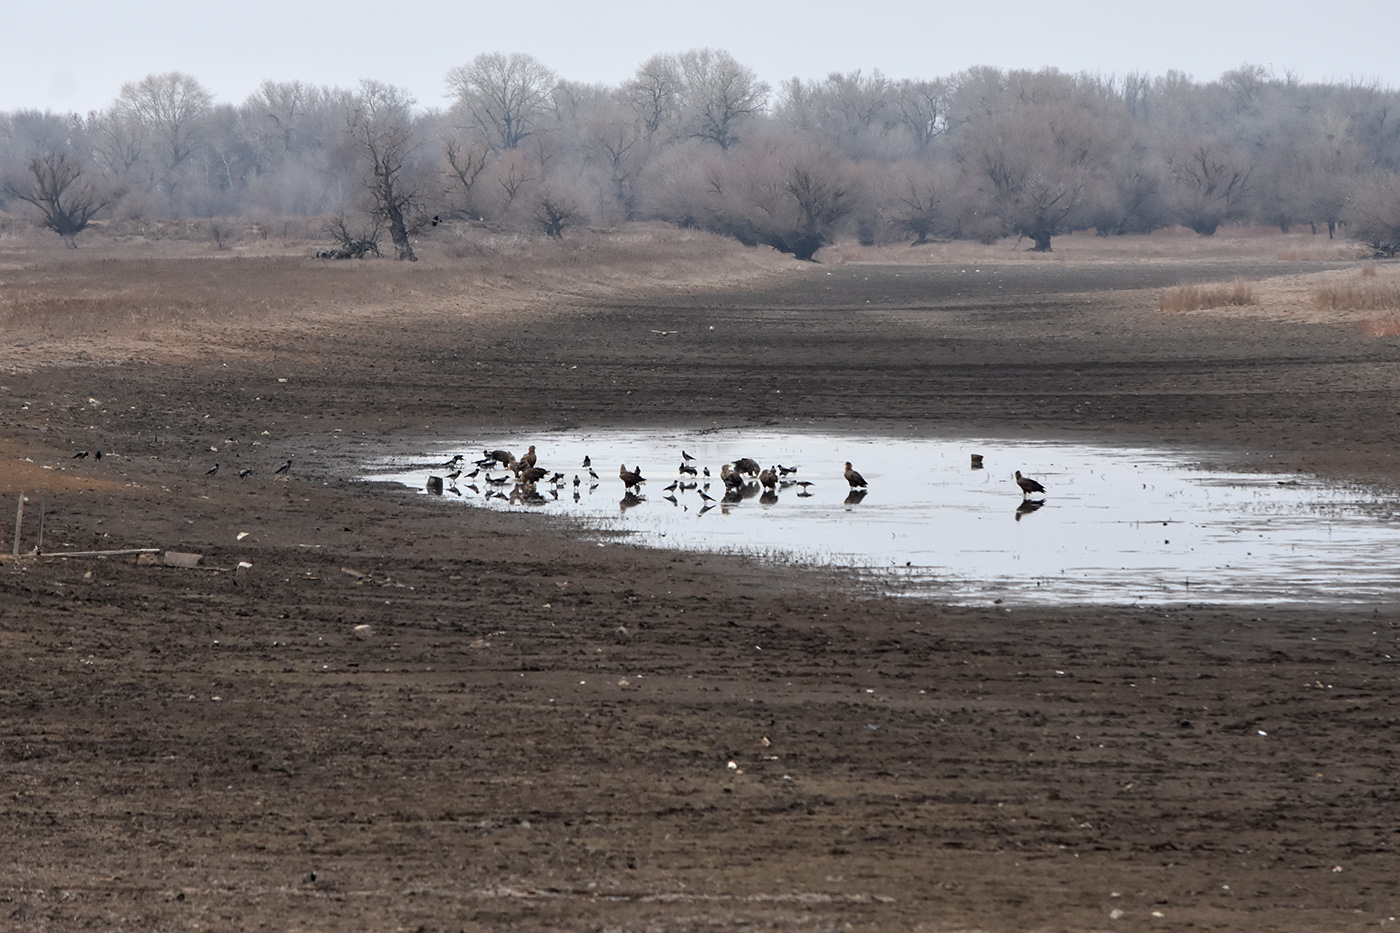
<point x="696" y="139"/>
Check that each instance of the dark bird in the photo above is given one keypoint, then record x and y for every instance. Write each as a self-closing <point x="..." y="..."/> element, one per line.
<point x="1027" y="485"/>
<point x="244" y="473"/>
<point x="852" y="477"/>
<point x="1028" y="506"/>
<point x="628" y="477"/>
<point x="685" y="457"/>
<point x="587" y="462"/>
<point x="640" y="477"/>
<point x="784" y="471"/>
<point x="451" y="463"/>
<point x="747" y="465"/>
<point x="689" y="470"/>
<point x="769" y="478"/>
<point x="593" y="473"/>
<point x="473" y="473"/>
<point x="804" y="483"/>
<point x="452" y="477"/>
<point x="80" y="455"/>
<point x="486" y="461"/>
<point x="504" y="457"/>
<point x="284" y="467"/>
<point x="497" y="481"/>
<point x="576" y="481"/>
<point x="977" y="461"/>
<point x="707" y="472"/>
<point x="98" y="455"/>
<point x="733" y="479"/>
<point x="557" y="478"/>
<point x="672" y="487"/>
<point x="855" y="495"/>
<point x="706" y="496"/>
<point x="530" y="475"/>
<point x="212" y="470"/>
<point x="436" y="220"/>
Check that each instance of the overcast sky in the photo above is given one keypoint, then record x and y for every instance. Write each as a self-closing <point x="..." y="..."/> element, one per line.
<point x="76" y="55"/>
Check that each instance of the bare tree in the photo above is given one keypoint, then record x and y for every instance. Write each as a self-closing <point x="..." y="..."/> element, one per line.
<point x="503" y="95"/>
<point x="170" y="110"/>
<point x="655" y="91"/>
<point x="66" y="201"/>
<point x="1212" y="182"/>
<point x="718" y="94"/>
<point x="380" y="122"/>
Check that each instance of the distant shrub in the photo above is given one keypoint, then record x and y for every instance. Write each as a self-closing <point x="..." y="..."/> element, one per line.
<point x="1200" y="297"/>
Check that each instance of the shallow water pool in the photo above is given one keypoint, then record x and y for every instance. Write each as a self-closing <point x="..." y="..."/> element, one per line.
<point x="1118" y="525"/>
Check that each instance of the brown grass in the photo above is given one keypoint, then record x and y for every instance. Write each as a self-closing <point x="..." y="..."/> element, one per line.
<point x="1200" y="297"/>
<point x="1366" y="296"/>
<point x="1388" y="326"/>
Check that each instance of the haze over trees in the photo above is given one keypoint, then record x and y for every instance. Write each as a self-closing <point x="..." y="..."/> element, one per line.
<point x="696" y="139"/>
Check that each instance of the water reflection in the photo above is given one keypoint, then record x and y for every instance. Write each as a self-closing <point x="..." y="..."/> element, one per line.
<point x="1116" y="525"/>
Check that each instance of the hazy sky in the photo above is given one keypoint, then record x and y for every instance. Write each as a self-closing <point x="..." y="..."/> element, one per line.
<point x="76" y="55"/>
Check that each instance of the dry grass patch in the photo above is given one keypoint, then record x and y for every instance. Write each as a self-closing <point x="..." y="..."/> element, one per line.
<point x="1236" y="294"/>
<point x="1362" y="296"/>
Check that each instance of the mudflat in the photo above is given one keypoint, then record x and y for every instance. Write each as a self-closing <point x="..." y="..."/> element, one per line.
<point x="361" y="710"/>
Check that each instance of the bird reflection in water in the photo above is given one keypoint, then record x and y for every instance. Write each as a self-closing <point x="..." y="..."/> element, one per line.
<point x="1028" y="506"/>
<point x="769" y="497"/>
<point x="629" y="500"/>
<point x="856" y="496"/>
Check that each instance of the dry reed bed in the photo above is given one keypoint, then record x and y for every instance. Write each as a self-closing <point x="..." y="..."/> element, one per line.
<point x="1236" y="294"/>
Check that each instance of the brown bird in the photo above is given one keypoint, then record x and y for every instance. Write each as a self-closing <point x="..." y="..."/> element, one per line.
<point x="532" y="474"/>
<point x="769" y="478"/>
<point x="977" y="461"/>
<point x="529" y="458"/>
<point x="852" y="477"/>
<point x="731" y="477"/>
<point x="1027" y="485"/>
<point x="503" y="457"/>
<point x="747" y="465"/>
<point x="628" y="477"/>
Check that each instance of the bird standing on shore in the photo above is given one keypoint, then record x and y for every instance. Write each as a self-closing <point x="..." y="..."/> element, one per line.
<point x="852" y="477"/>
<point x="769" y="478"/>
<point x="284" y="467"/>
<point x="630" y="478"/>
<point x="212" y="470"/>
<point x="1027" y="485"/>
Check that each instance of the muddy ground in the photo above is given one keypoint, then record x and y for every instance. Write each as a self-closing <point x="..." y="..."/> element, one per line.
<point x="535" y="732"/>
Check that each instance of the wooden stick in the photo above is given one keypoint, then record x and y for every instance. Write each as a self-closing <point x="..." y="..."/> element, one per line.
<point x="130" y="550"/>
<point x="19" y="521"/>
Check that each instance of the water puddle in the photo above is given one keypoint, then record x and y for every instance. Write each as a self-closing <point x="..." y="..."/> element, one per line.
<point x="1118" y="525"/>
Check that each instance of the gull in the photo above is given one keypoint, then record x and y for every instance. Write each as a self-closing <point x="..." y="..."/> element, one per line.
<point x="852" y="477"/>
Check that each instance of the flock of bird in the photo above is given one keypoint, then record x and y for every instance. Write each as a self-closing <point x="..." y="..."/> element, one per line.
<point x="741" y="479"/>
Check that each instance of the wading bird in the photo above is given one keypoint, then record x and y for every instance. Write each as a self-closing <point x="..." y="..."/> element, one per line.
<point x="629" y="478"/>
<point x="852" y="477"/>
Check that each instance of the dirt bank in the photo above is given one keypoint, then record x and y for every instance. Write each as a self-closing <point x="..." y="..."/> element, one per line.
<point x="401" y="718"/>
